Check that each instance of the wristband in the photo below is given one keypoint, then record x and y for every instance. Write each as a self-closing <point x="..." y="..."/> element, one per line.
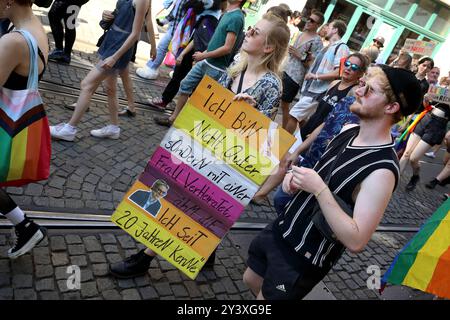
<point x="318" y="193"/>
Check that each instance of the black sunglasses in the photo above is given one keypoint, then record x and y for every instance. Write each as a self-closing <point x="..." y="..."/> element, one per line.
<point x="312" y="20"/>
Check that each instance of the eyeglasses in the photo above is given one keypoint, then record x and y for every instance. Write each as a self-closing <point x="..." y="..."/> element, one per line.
<point x="312" y="20"/>
<point x="354" y="67"/>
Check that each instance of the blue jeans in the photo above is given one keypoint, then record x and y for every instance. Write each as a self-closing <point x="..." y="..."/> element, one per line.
<point x="193" y="78"/>
<point x="161" y="50"/>
<point x="280" y="200"/>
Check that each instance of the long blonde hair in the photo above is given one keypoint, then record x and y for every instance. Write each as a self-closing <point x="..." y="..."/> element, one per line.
<point x="278" y="37"/>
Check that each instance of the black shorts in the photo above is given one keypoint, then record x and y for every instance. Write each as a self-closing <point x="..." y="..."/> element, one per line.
<point x="286" y="274"/>
<point x="290" y="88"/>
<point x="431" y="129"/>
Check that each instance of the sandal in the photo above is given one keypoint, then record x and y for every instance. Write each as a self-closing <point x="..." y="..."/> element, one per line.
<point x="157" y="103"/>
<point x="163" y="121"/>
<point x="127" y="112"/>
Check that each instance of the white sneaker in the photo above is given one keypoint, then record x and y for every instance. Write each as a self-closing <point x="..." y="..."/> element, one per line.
<point x="110" y="131"/>
<point x="63" y="131"/>
<point x="147" y="73"/>
<point x="430" y="155"/>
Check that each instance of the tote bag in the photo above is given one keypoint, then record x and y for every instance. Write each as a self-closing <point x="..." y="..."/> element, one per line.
<point x="25" y="148"/>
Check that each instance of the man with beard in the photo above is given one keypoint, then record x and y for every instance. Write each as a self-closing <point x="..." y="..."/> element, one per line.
<point x="292" y="254"/>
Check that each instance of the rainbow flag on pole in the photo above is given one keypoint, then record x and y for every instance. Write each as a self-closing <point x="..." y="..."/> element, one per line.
<point x="424" y="263"/>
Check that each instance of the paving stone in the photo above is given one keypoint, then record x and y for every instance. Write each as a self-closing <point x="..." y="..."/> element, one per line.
<point x="23" y="265"/>
<point x="131" y="294"/>
<point x="100" y="269"/>
<point x="25" y="294"/>
<point x="173" y="276"/>
<point x="46" y="295"/>
<point x="34" y="189"/>
<point x="179" y="291"/>
<point x="5" y="280"/>
<point x="79" y="261"/>
<point x="73" y="295"/>
<point x="47" y="284"/>
<point x="206" y="291"/>
<point x="229" y="286"/>
<point x="4" y="266"/>
<point x="44" y="271"/>
<point x="111" y="295"/>
<point x="22" y="281"/>
<point x="104" y="284"/>
<point x="6" y="294"/>
<point x="86" y="275"/>
<point x="113" y="257"/>
<point x="127" y="242"/>
<point x="62" y="286"/>
<point x="163" y="288"/>
<point x="142" y="281"/>
<point x="126" y="283"/>
<point x="218" y="287"/>
<point x="73" y="239"/>
<point x="76" y="249"/>
<point x="111" y="248"/>
<point x="92" y="244"/>
<point x="57" y="243"/>
<point x="89" y="289"/>
<point x="60" y="259"/>
<point x="97" y="257"/>
<point x="192" y="289"/>
<point x="41" y="256"/>
<point x="107" y="239"/>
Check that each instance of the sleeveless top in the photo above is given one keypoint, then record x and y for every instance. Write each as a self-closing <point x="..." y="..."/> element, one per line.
<point x="352" y="167"/>
<point x="118" y="33"/>
<point x="16" y="81"/>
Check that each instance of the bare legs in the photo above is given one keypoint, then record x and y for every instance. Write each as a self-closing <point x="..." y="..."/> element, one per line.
<point x="128" y="87"/>
<point x="254" y="282"/>
<point x="285" y="113"/>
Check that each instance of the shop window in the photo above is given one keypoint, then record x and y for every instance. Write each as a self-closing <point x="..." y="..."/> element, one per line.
<point x="401" y="7"/>
<point x="380" y="3"/>
<point x="360" y="33"/>
<point x="423" y="12"/>
<point x="343" y="11"/>
<point x="442" y="22"/>
<point x="406" y="34"/>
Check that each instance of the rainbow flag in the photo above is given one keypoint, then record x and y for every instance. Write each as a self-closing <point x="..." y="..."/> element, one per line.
<point x="424" y="263"/>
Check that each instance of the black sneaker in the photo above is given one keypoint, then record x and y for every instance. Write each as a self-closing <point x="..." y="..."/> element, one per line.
<point x="432" y="184"/>
<point x="28" y="235"/>
<point x="133" y="266"/>
<point x="412" y="183"/>
<point x="55" y="55"/>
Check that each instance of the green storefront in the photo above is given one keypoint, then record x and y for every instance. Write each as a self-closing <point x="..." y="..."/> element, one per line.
<point x="396" y="21"/>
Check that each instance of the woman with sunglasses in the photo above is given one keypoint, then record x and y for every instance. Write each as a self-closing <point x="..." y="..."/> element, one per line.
<point x="254" y="78"/>
<point x="332" y="113"/>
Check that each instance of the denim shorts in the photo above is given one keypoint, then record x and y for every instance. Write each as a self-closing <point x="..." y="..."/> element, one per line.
<point x="193" y="78"/>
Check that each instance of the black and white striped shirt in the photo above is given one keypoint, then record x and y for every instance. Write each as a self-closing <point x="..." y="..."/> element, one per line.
<point x="353" y="166"/>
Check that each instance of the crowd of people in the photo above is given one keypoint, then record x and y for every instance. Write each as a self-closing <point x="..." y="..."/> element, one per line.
<point x="331" y="190"/>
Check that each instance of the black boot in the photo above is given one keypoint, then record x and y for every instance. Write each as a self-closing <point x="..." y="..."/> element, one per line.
<point x="412" y="183"/>
<point x="133" y="266"/>
<point x="209" y="264"/>
<point x="432" y="184"/>
<point x="28" y="235"/>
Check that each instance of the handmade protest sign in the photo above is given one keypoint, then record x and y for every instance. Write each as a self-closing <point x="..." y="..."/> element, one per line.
<point x="439" y="94"/>
<point x="423" y="48"/>
<point x="198" y="181"/>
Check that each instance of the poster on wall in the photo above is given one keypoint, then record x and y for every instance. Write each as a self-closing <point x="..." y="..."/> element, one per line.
<point x="198" y="181"/>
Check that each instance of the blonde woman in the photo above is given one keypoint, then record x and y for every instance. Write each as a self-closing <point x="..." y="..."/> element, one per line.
<point x="255" y="78"/>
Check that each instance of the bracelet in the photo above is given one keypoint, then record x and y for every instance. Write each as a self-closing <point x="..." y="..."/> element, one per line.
<point x="318" y="193"/>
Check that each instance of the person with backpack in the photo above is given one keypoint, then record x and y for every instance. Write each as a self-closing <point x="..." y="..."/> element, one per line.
<point x="212" y="62"/>
<point x="203" y="30"/>
<point x="323" y="71"/>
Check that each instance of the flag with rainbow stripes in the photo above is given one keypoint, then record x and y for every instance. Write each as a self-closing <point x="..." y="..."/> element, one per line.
<point x="424" y="262"/>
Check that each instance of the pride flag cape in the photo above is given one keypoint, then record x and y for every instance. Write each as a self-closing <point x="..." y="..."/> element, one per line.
<point x="424" y="263"/>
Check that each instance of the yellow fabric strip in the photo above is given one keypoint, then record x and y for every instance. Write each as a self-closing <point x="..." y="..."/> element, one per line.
<point x="18" y="155"/>
<point x="421" y="272"/>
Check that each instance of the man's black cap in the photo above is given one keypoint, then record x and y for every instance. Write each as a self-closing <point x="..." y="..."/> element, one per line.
<point x="406" y="88"/>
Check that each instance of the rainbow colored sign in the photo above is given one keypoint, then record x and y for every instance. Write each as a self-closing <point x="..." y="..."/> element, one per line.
<point x="439" y="94"/>
<point x="420" y="47"/>
<point x="424" y="263"/>
<point x="198" y="181"/>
